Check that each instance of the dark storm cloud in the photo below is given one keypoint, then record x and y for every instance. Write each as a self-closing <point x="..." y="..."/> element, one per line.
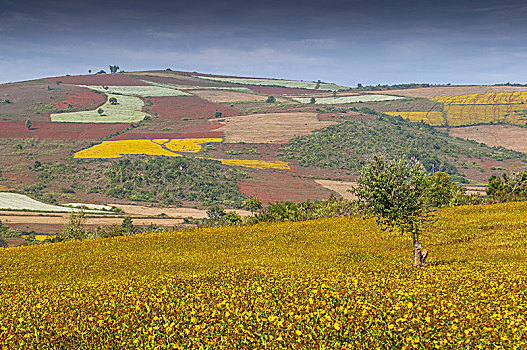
<point x="344" y="41"/>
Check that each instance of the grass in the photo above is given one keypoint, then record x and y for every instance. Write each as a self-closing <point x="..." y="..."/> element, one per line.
<point x="127" y="110"/>
<point x="329" y="283"/>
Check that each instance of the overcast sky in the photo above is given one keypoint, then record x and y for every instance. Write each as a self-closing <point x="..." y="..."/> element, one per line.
<point x="346" y="42"/>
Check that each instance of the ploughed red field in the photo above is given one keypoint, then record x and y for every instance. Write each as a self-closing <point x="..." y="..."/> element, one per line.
<point x="188" y="107"/>
<point x="86" y="98"/>
<point x="43" y="130"/>
<point x="99" y="79"/>
<point x="169" y="135"/>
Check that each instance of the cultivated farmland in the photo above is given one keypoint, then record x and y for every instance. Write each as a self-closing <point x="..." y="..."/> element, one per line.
<point x="156" y="147"/>
<point x="142" y="91"/>
<point x="278" y="82"/>
<point x="270" y="127"/>
<point x="329" y="283"/>
<point x="434" y="118"/>
<point x="127" y="110"/>
<point x="347" y="99"/>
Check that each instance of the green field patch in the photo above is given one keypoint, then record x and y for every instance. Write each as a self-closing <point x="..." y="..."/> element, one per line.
<point x="347" y="99"/>
<point x="295" y="84"/>
<point x="142" y="91"/>
<point x="128" y="109"/>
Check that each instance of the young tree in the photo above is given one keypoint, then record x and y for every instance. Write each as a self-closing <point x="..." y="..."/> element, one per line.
<point x="270" y="99"/>
<point x="28" y="124"/>
<point x="312" y="100"/>
<point x="395" y="193"/>
<point x="100" y="111"/>
<point x="128" y="225"/>
<point x="113" y="101"/>
<point x="252" y="204"/>
<point x="74" y="228"/>
<point x="114" y="69"/>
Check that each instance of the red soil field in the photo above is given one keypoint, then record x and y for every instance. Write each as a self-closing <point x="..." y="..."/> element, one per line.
<point x="99" y="79"/>
<point x="182" y="80"/>
<point x="86" y="99"/>
<point x="43" y="130"/>
<point x="271" y="90"/>
<point x="169" y="135"/>
<point x="188" y="107"/>
<point x="272" y="187"/>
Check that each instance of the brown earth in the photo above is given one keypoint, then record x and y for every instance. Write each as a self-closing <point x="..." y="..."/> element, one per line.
<point x="508" y="136"/>
<point x="36" y="101"/>
<point x="172" y="212"/>
<point x="340" y="187"/>
<point x="272" y="187"/>
<point x="270" y="127"/>
<point x="449" y="90"/>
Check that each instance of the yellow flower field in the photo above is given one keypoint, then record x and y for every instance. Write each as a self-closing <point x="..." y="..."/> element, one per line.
<point x="432" y="118"/>
<point x="329" y="283"/>
<point x="156" y="147"/>
<point x="475" y="114"/>
<point x="258" y="164"/>
<point x="491" y="98"/>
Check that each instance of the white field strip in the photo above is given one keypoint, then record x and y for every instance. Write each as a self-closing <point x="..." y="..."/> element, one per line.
<point x="89" y="206"/>
<point x="127" y="110"/>
<point x="16" y="201"/>
<point x="296" y="84"/>
<point x="347" y="99"/>
<point x="143" y="91"/>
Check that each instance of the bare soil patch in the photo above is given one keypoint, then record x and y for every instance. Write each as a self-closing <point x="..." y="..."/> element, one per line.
<point x="272" y="187"/>
<point x="340" y="187"/>
<point x="99" y="79"/>
<point x="449" y="90"/>
<point x="19" y="102"/>
<point x="508" y="136"/>
<point x="270" y="127"/>
<point x="173" y="212"/>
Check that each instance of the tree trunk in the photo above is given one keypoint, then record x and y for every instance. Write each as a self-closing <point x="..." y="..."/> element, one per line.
<point x="420" y="254"/>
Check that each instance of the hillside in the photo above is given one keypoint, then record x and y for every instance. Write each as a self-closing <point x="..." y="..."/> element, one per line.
<point x="64" y="138"/>
<point x="337" y="283"/>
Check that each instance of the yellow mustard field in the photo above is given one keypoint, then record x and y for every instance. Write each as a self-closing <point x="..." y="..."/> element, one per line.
<point x="484" y="98"/>
<point x="434" y="118"/>
<point x="329" y="283"/>
<point x="476" y="114"/>
<point x="156" y="147"/>
<point x="258" y="164"/>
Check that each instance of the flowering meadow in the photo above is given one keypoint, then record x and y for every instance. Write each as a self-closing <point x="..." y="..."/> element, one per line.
<point x="328" y="283"/>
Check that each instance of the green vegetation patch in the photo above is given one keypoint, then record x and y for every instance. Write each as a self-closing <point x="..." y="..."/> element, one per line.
<point x="163" y="180"/>
<point x="347" y="146"/>
<point x="124" y="109"/>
